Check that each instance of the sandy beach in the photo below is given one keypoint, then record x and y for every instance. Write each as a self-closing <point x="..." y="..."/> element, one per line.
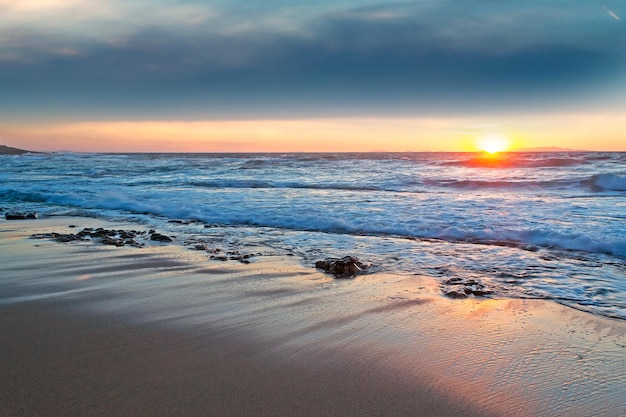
<point x="93" y="330"/>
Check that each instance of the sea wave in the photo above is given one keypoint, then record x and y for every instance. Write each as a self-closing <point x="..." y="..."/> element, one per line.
<point x="10" y="195"/>
<point x="284" y="184"/>
<point x="527" y="238"/>
<point x="596" y="183"/>
<point x="500" y="184"/>
<point x="610" y="182"/>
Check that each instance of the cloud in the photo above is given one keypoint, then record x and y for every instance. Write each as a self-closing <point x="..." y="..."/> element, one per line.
<point x="241" y="59"/>
<point x="480" y="26"/>
<point x="34" y="5"/>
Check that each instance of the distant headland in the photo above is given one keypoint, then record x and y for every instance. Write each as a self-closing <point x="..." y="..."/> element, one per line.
<point x="7" y="150"/>
<point x="548" y="149"/>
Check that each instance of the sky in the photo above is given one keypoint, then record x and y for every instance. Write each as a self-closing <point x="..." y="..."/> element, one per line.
<point x="283" y="76"/>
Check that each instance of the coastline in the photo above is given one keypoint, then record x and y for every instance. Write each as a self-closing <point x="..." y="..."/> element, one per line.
<point x="162" y="330"/>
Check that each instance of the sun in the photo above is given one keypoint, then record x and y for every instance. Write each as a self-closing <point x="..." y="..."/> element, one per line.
<point x="493" y="144"/>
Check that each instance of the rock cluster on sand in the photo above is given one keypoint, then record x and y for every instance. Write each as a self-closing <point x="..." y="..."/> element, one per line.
<point x="219" y="255"/>
<point x="106" y="237"/>
<point x="18" y="215"/>
<point x="346" y="267"/>
<point x="462" y="288"/>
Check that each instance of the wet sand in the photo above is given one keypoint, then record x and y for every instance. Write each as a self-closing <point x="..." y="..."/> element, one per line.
<point x="90" y="330"/>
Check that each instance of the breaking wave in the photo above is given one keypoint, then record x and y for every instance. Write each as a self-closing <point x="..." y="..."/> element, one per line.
<point x="284" y="184"/>
<point x="610" y="182"/>
<point x="303" y="220"/>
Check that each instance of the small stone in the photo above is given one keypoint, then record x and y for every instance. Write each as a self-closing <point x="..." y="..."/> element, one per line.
<point x="112" y="242"/>
<point x="44" y="236"/>
<point x="66" y="238"/>
<point x="465" y="287"/>
<point x="160" y="238"/>
<point x="346" y="267"/>
<point x="455" y="294"/>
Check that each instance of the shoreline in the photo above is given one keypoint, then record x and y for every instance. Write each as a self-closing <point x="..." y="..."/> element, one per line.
<point x="163" y="330"/>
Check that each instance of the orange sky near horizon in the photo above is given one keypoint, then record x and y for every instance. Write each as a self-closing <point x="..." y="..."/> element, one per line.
<point x="575" y="131"/>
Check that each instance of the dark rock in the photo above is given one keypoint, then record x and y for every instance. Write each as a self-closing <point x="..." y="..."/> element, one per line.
<point x="99" y="232"/>
<point x="462" y="288"/>
<point x="160" y="238"/>
<point x="219" y="258"/>
<point x="112" y="242"/>
<point x="65" y="238"/>
<point x="346" y="267"/>
<point x="244" y="259"/>
<point x="185" y="222"/>
<point x="481" y="292"/>
<point x="44" y="236"/>
<point x="127" y="234"/>
<point x="17" y="215"/>
<point x="58" y="237"/>
<point x="455" y="294"/>
<point x="71" y="226"/>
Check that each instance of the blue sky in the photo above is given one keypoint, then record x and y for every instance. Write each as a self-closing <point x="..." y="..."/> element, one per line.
<point x="98" y="60"/>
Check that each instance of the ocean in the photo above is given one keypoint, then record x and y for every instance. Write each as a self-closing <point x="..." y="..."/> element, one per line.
<point x="523" y="225"/>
